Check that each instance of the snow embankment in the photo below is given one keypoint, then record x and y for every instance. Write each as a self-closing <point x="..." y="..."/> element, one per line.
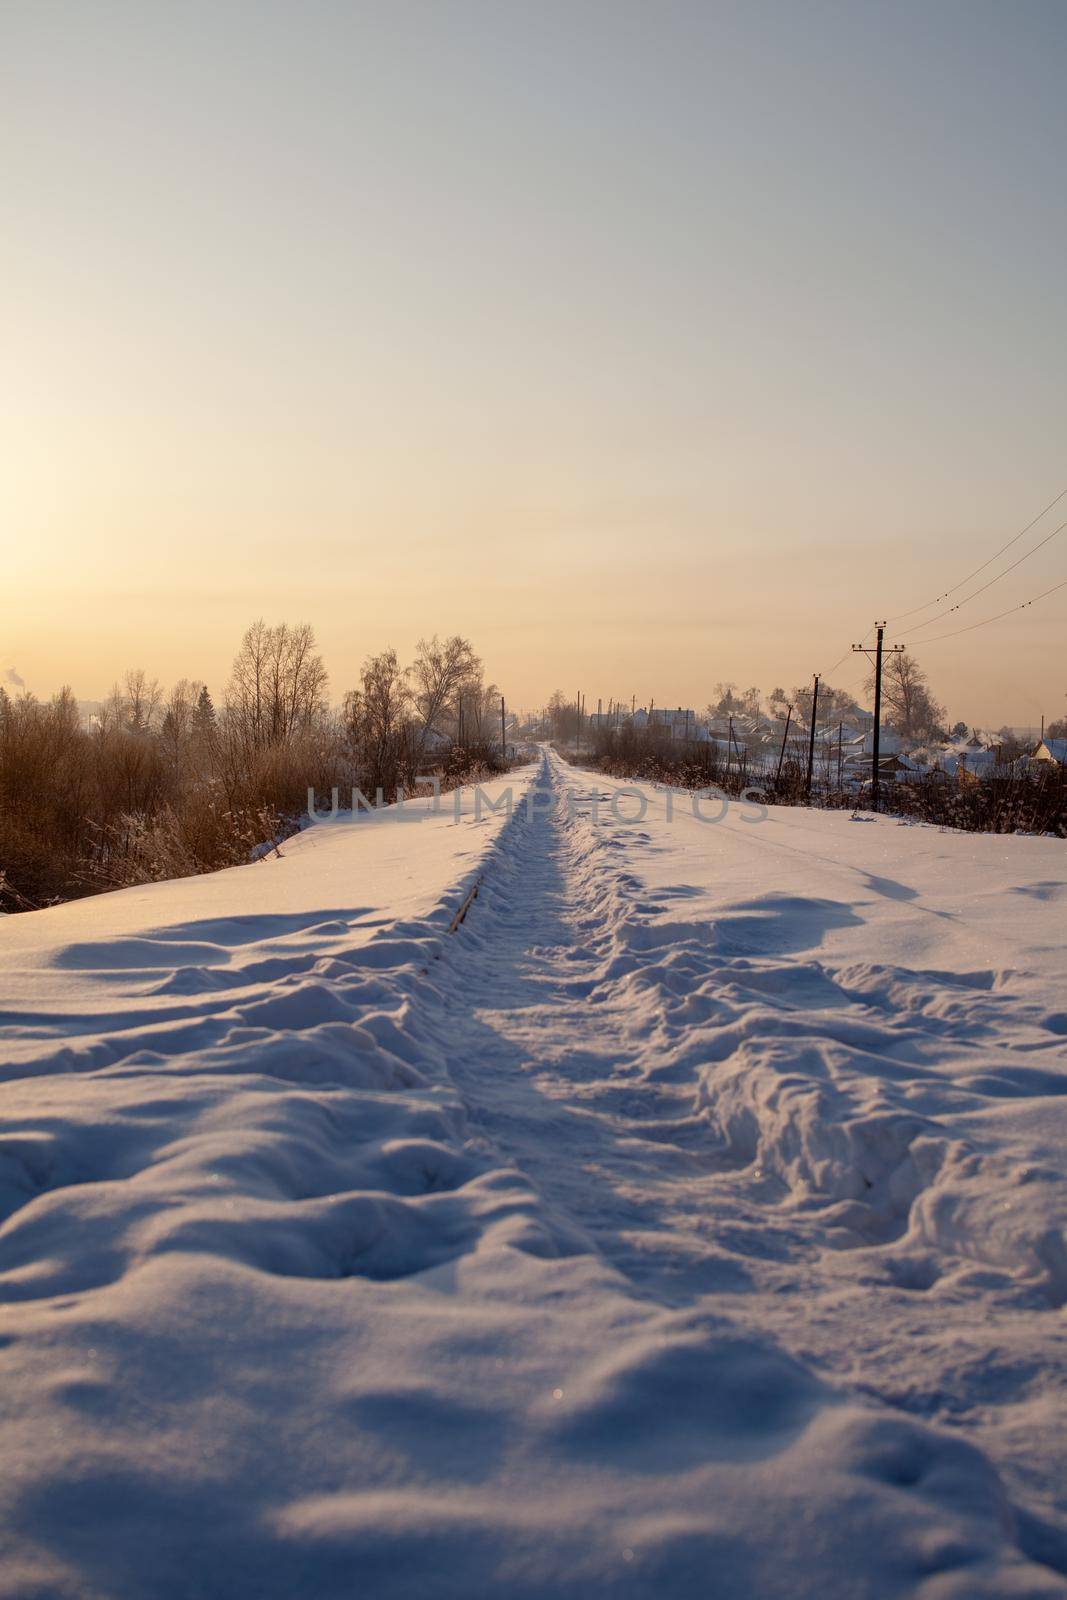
<point x="626" y="1241"/>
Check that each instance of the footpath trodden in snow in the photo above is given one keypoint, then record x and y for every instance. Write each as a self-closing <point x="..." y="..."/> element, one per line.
<point x="687" y="1219"/>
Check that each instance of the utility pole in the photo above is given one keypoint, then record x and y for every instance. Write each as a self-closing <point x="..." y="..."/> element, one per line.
<point x="578" y="727"/>
<point x="503" y="735"/>
<point x="876" y="737"/>
<point x="811" y="731"/>
<point x="785" y="736"/>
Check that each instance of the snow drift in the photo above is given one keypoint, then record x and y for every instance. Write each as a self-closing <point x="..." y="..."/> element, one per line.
<point x="688" y="1218"/>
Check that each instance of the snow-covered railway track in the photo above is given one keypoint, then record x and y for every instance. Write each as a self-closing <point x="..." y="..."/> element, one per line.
<point x="522" y="1209"/>
<point x="730" y="1125"/>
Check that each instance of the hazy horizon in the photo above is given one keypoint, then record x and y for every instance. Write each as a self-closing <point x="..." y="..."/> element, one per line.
<point x="645" y="347"/>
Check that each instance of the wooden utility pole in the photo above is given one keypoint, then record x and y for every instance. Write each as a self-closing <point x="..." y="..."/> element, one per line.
<point x="811" y="731"/>
<point x="785" y="736"/>
<point x="876" y="734"/>
<point x="840" y="750"/>
<point x="503" y="734"/>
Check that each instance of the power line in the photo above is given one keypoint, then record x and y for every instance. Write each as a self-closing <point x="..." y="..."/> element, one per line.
<point x="837" y="663"/>
<point x="987" y="620"/>
<point x="973" y="596"/>
<point x="959" y="603"/>
<point x="995" y="557"/>
<point x="847" y="653"/>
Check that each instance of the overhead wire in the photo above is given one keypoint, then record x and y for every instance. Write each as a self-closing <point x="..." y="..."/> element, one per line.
<point x="848" y="652"/>
<point x="971" y="626"/>
<point x="900" y="615"/>
<point x="930" y="621"/>
<point x="969" y="597"/>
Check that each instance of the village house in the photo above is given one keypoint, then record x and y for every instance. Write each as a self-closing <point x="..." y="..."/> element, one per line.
<point x="1050" y="750"/>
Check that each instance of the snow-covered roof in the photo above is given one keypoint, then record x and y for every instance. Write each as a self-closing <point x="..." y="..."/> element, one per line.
<point x="888" y="744"/>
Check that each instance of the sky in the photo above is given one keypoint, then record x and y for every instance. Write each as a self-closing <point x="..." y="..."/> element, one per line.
<point x="648" y="345"/>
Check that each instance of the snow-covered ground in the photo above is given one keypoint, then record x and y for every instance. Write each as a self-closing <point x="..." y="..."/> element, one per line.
<point x="687" y="1220"/>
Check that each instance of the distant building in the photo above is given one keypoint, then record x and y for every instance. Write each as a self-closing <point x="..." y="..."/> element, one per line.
<point x="1050" y="750"/>
<point x="679" y="723"/>
<point x="891" y="768"/>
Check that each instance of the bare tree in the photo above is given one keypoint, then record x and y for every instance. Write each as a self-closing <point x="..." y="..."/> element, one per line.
<point x="177" y="727"/>
<point x="377" y="718"/>
<point x="156" y="787"/>
<point x="562" y="716"/>
<point x="133" y="705"/>
<point x="729" y="703"/>
<point x="278" y="684"/>
<point x="833" y="703"/>
<point x="484" y="704"/>
<point x="442" y="673"/>
<point x="143" y="697"/>
<point x="908" y="706"/>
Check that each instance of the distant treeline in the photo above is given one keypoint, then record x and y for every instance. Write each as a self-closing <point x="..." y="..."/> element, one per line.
<point x="909" y="709"/>
<point x="159" y="786"/>
<point x="1004" y="801"/>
